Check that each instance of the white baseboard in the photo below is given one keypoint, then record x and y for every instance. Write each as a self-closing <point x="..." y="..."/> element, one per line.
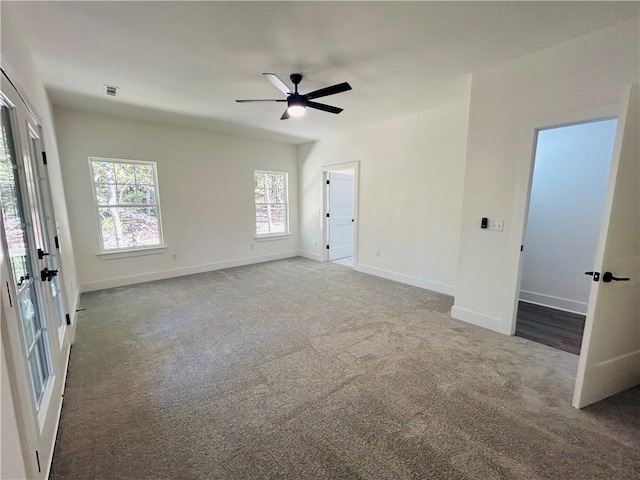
<point x="180" y="272"/>
<point x="481" y="320"/>
<point x="408" y="279"/>
<point x="311" y="256"/>
<point x="558" y="303"/>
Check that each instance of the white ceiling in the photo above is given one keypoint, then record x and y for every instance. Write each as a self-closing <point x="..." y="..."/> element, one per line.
<point x="186" y="62"/>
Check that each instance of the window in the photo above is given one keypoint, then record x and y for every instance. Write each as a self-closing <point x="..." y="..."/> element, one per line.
<point x="127" y="204"/>
<point x="272" y="203"/>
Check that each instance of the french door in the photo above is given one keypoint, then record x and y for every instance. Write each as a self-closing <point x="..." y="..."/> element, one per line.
<point x="21" y="224"/>
<point x="34" y="334"/>
<point x="47" y="250"/>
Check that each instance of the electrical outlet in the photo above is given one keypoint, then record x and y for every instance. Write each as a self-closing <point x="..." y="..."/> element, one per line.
<point x="496" y="224"/>
<point x="252" y="246"/>
<point x="377" y="253"/>
<point x="315" y="244"/>
<point x="174" y="256"/>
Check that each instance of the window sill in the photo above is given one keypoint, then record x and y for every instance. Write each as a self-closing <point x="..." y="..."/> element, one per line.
<point x="269" y="238"/>
<point x="134" y="252"/>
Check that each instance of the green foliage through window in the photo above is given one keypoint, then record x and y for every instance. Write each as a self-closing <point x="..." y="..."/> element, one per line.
<point x="126" y="195"/>
<point x="271" y="203"/>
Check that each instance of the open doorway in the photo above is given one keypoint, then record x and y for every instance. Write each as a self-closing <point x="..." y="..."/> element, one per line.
<point x="566" y="205"/>
<point x="340" y="184"/>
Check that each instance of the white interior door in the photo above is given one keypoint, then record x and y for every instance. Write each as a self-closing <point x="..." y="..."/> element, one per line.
<point x="610" y="356"/>
<point x="341" y="187"/>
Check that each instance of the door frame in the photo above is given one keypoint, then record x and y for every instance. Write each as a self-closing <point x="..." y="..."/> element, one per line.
<point x="522" y="196"/>
<point x="37" y="428"/>
<point x="325" y="206"/>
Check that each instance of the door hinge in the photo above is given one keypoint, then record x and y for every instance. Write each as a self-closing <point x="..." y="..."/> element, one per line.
<point x="44" y="157"/>
<point x="327" y="182"/>
<point x="38" y="461"/>
<point x="521" y="248"/>
<point x="9" y="293"/>
<point x="68" y="317"/>
<point x="327" y="215"/>
<point x="57" y="242"/>
<point x="327" y="247"/>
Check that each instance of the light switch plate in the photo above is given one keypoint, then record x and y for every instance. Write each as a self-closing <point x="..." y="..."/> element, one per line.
<point x="496" y="224"/>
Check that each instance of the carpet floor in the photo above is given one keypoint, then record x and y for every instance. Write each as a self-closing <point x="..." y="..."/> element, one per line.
<point x="303" y="370"/>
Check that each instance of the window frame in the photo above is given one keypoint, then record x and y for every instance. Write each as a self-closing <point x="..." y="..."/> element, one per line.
<point x="115" y="251"/>
<point x="287" y="232"/>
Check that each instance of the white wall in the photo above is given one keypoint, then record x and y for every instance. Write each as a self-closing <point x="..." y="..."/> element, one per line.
<point x="410" y="188"/>
<point x="17" y="408"/>
<point x="507" y="103"/>
<point x="206" y="194"/>
<point x="568" y="191"/>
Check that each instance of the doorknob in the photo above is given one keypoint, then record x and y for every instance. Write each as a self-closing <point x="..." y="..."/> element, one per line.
<point x="608" y="276"/>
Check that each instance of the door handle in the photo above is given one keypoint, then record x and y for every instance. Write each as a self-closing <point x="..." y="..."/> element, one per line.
<point x="42" y="254"/>
<point x="596" y="275"/>
<point x="608" y="276"/>
<point x="47" y="275"/>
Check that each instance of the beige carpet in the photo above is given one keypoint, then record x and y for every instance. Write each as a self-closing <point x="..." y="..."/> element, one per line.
<point x="297" y="369"/>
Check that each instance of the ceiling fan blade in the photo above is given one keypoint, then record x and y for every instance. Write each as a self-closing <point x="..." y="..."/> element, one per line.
<point x="285" y="115"/>
<point x="279" y="84"/>
<point x="261" y="100"/>
<point x="332" y="90"/>
<point x="324" y="107"/>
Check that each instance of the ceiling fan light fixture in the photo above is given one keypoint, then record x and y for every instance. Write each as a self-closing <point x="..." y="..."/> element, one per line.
<point x="295" y="105"/>
<point x="296" y="110"/>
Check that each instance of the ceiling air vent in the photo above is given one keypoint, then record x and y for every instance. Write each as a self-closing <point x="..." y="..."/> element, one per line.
<point x="111" y="90"/>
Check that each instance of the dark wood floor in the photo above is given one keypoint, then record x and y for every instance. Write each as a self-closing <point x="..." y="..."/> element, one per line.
<point x="556" y="328"/>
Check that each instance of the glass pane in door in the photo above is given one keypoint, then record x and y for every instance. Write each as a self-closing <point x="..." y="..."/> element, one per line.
<point x="12" y="214"/>
<point x="35" y="340"/>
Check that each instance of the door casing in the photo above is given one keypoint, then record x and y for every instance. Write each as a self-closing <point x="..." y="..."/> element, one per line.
<point x="524" y="183"/>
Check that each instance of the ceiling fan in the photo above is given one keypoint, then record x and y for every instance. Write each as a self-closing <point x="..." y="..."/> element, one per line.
<point x="296" y="102"/>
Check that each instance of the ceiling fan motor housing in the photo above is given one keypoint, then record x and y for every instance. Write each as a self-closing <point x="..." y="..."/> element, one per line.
<point x="296" y="99"/>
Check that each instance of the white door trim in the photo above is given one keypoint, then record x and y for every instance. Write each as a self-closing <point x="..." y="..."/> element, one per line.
<point x="356" y="181"/>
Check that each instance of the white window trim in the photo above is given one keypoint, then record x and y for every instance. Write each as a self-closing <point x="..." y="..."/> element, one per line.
<point x="113" y="253"/>
<point x="132" y="252"/>
<point x="268" y="237"/>
<point x="279" y="235"/>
